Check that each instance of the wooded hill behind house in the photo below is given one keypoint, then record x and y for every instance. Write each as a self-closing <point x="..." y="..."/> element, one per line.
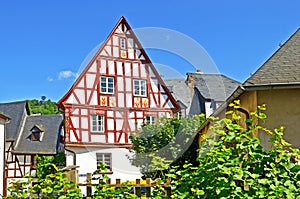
<point x="43" y="106"/>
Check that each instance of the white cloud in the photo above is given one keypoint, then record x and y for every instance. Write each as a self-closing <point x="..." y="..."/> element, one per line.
<point x="66" y="74"/>
<point x="50" y="79"/>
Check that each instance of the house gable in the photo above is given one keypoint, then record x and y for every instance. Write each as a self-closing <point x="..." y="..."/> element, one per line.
<point x="115" y="91"/>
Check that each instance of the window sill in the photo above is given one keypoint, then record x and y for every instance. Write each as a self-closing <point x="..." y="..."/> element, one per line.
<point x="97" y="132"/>
<point x="106" y="172"/>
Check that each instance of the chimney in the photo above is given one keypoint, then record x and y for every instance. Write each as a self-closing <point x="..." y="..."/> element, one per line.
<point x="199" y="71"/>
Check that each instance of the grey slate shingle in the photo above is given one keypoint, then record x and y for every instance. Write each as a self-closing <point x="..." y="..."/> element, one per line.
<point x="283" y="67"/>
<point x="211" y="86"/>
<point x="180" y="90"/>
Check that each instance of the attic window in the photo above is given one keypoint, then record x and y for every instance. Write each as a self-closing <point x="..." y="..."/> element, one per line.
<point x="36" y="133"/>
<point x="123" y="43"/>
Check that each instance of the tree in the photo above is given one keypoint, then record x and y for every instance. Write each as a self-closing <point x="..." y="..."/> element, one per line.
<point x="43" y="106"/>
<point x="165" y="142"/>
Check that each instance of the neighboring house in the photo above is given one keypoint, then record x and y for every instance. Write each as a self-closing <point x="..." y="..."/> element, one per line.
<point x="27" y="136"/>
<point x="277" y="84"/>
<point x="117" y="92"/>
<point x="200" y="92"/>
<point x="3" y="120"/>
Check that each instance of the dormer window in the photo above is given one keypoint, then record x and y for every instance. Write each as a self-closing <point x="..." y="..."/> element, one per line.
<point x="36" y="133"/>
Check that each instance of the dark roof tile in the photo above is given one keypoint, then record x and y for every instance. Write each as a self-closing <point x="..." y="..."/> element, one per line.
<point x="51" y="125"/>
<point x="16" y="111"/>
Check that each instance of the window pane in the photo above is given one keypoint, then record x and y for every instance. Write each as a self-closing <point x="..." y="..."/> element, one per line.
<point x="107" y="85"/>
<point x="97" y="123"/>
<point x="103" y="158"/>
<point x="140" y="87"/>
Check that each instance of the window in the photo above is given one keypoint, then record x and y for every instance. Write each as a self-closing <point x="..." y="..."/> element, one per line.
<point x="36" y="133"/>
<point x="107" y="85"/>
<point x="97" y="123"/>
<point x="140" y="88"/>
<point x="123" y="43"/>
<point x="150" y="119"/>
<point x="170" y="88"/>
<point x="104" y="158"/>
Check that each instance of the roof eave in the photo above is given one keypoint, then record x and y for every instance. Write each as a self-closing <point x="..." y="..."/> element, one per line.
<point x="272" y="86"/>
<point x="34" y="153"/>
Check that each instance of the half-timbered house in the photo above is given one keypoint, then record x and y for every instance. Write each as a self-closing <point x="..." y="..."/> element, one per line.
<point x="116" y="93"/>
<point x="3" y="120"/>
<point x="27" y="136"/>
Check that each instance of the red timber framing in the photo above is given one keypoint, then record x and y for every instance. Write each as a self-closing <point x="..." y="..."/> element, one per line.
<point x="18" y="165"/>
<point x="121" y="58"/>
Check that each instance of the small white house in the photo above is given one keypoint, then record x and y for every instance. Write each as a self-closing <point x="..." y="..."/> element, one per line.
<point x="3" y="120"/>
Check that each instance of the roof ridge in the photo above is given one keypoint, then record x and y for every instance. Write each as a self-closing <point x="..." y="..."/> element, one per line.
<point x="16" y="102"/>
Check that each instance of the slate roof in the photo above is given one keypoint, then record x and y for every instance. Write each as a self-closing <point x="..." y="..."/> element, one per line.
<point x="17" y="111"/>
<point x="51" y="125"/>
<point x="180" y="90"/>
<point x="214" y="86"/>
<point x="211" y="86"/>
<point x="283" y="67"/>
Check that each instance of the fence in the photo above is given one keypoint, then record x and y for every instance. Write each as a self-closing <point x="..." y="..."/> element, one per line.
<point x="139" y="187"/>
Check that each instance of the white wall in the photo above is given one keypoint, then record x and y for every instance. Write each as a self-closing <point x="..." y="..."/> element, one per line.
<point x="2" y="151"/>
<point x="121" y="166"/>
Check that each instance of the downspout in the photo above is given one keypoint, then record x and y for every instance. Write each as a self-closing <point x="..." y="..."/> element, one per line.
<point x="62" y="108"/>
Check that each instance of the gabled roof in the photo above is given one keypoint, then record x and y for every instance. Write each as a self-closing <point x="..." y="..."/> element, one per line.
<point x="283" y="67"/>
<point x="17" y="111"/>
<point x="217" y="87"/>
<point x="211" y="86"/>
<point x="51" y="126"/>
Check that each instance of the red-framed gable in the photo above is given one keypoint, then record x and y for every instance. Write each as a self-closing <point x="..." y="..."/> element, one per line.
<point x="122" y="20"/>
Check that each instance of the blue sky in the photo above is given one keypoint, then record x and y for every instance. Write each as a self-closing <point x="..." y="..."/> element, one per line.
<point x="43" y="43"/>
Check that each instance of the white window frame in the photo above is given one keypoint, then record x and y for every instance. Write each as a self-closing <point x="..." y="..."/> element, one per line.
<point x="138" y="89"/>
<point x="150" y="119"/>
<point x="97" y="123"/>
<point x="107" y="86"/>
<point x="123" y="43"/>
<point x="104" y="158"/>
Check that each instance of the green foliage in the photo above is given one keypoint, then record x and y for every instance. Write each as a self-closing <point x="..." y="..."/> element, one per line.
<point x="233" y="164"/>
<point x="43" y="107"/>
<point x="50" y="182"/>
<point x="60" y="158"/>
<point x="105" y="191"/>
<point x="158" y="145"/>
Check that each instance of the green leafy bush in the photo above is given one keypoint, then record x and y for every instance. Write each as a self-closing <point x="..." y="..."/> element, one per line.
<point x="49" y="182"/>
<point x="233" y="164"/>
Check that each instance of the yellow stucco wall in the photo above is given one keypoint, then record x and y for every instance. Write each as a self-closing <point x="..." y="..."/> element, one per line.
<point x="283" y="109"/>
